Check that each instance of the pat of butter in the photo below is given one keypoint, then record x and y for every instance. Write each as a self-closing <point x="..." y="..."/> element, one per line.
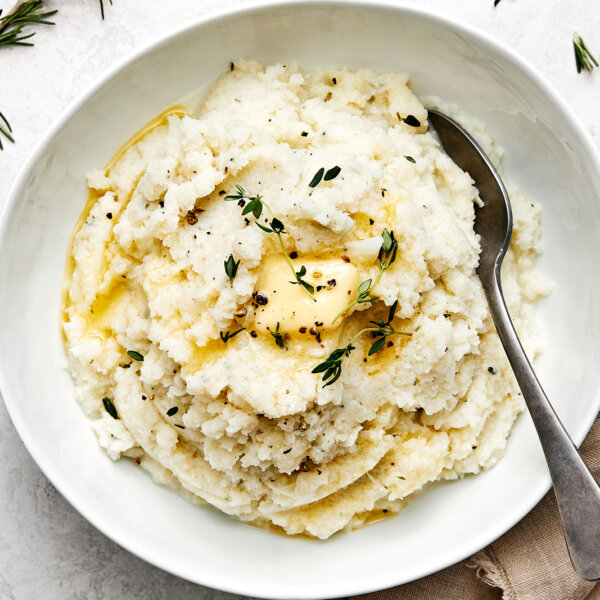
<point x="335" y="283"/>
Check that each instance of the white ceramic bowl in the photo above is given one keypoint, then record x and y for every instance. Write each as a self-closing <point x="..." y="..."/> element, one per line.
<point x="547" y="154"/>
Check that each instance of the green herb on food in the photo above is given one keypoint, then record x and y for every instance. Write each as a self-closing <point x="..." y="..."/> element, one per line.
<point x="410" y="159"/>
<point x="255" y="205"/>
<point x="172" y="411"/>
<point x="231" y="267"/>
<point x="332" y="173"/>
<point x="314" y="182"/>
<point x="321" y="175"/>
<point x="279" y="340"/>
<point x="110" y="408"/>
<point x="332" y="366"/>
<point x="300" y="280"/>
<point x="135" y="355"/>
<point x="225" y="337"/>
<point x="387" y="255"/>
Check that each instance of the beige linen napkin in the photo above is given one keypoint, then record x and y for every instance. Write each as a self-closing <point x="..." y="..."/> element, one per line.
<point x="530" y="562"/>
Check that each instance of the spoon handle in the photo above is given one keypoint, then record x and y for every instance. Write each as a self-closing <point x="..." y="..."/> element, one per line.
<point x="577" y="494"/>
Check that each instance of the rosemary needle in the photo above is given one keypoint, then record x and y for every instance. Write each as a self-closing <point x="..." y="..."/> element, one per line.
<point x="6" y="130"/>
<point x="12" y="25"/>
<point x="102" y="7"/>
<point x="584" y="59"/>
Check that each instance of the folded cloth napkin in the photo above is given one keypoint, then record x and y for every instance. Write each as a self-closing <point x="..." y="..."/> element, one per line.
<point x="530" y="562"/>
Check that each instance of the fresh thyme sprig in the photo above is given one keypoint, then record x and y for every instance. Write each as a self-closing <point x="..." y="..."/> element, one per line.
<point x="102" y="7"/>
<point x="231" y="267"/>
<point x="5" y="130"/>
<point x="331" y="367"/>
<point x="279" y="339"/>
<point x="225" y="337"/>
<point x="584" y="59"/>
<point x="300" y="280"/>
<point x="12" y="25"/>
<point x="387" y="255"/>
<point x="255" y="205"/>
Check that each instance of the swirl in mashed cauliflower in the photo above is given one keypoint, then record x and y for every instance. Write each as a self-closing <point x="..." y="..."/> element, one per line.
<point x="244" y="424"/>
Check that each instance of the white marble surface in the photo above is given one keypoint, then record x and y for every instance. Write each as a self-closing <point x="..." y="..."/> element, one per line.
<point x="47" y="550"/>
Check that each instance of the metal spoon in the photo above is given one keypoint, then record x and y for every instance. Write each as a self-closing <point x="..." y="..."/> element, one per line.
<point x="577" y="494"/>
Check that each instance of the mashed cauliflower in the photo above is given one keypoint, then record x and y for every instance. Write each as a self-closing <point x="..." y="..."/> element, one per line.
<point x="207" y="381"/>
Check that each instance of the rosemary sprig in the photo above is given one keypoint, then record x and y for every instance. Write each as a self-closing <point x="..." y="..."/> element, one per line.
<point x="225" y="337"/>
<point x="102" y="7"/>
<point x="12" y="25"/>
<point x="331" y="367"/>
<point x="279" y="340"/>
<point x="387" y="255"/>
<point x="255" y="205"/>
<point x="5" y="130"/>
<point x="231" y="267"/>
<point x="584" y="59"/>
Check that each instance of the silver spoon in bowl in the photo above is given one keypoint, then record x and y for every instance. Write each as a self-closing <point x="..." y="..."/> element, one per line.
<point x="577" y="493"/>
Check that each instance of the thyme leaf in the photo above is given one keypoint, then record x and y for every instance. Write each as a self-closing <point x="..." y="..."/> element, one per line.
<point x="110" y="408"/>
<point x="173" y="410"/>
<point x="300" y="281"/>
<point x="279" y="339"/>
<point x="135" y="355"/>
<point x="225" y="337"/>
<point x="387" y="255"/>
<point x="314" y="182"/>
<point x="231" y="267"/>
<point x="332" y="173"/>
<point x="321" y="175"/>
<point x="255" y="205"/>
<point x="331" y="367"/>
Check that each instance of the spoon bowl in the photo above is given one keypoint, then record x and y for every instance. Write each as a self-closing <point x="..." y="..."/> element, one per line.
<point x="577" y="494"/>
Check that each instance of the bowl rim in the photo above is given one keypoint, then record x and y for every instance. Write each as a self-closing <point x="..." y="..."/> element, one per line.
<point x="206" y="577"/>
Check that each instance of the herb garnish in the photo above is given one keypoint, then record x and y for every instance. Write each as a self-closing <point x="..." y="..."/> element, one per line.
<point x="255" y="206"/>
<point x="173" y="410"/>
<point x="332" y="366"/>
<point x="410" y="159"/>
<point x="231" y="267"/>
<point x="314" y="182"/>
<point x="278" y="337"/>
<point x="225" y="337"/>
<point x="102" y="7"/>
<point x="492" y="370"/>
<point x="387" y="255"/>
<point x="5" y="130"/>
<point x="321" y="175"/>
<point x="584" y="59"/>
<point x="110" y="408"/>
<point x="135" y="355"/>
<point x="13" y="24"/>
<point x="300" y="281"/>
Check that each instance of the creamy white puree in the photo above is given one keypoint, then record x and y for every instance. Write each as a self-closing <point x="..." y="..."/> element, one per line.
<point x="245" y="425"/>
